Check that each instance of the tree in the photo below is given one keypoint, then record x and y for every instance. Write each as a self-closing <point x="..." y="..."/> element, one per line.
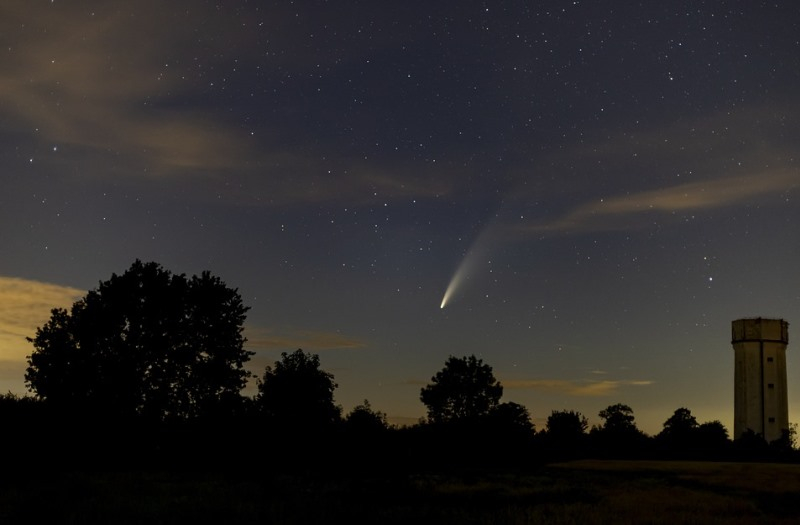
<point x="565" y="434"/>
<point x="712" y="438"/>
<point x="618" y="419"/>
<point x="512" y="417"/>
<point x="680" y="433"/>
<point x="296" y="395"/>
<point x="363" y="419"/>
<point x="713" y="432"/>
<point x="618" y="435"/>
<point x="464" y="389"/>
<point x="566" y="426"/>
<point x="680" y="426"/>
<point x="145" y="343"/>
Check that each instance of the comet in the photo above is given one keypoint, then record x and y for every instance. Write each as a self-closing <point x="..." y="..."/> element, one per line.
<point x="469" y="264"/>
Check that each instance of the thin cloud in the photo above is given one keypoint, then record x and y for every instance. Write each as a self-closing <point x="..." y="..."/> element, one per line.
<point x="574" y="388"/>
<point x="308" y="340"/>
<point x="619" y="212"/>
<point x="83" y="86"/>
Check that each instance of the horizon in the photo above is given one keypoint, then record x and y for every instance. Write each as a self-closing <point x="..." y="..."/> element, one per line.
<point x="594" y="396"/>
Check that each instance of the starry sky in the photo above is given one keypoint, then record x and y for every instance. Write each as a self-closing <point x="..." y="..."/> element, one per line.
<point x="592" y="190"/>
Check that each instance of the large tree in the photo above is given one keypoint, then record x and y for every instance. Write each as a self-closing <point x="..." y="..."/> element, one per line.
<point x="465" y="388"/>
<point x="145" y="343"/>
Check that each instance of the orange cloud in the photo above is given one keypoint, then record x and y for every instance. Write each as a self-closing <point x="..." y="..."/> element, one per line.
<point x="24" y="306"/>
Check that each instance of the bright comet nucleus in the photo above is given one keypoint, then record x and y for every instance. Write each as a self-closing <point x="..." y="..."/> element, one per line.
<point x="450" y="288"/>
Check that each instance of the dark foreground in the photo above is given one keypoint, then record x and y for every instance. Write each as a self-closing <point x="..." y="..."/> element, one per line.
<point x="575" y="492"/>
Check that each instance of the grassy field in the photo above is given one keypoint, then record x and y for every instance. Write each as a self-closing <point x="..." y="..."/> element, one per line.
<point x="577" y="492"/>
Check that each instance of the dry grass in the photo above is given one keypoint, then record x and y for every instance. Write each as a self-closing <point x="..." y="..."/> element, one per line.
<point x="583" y="492"/>
<point x="692" y="492"/>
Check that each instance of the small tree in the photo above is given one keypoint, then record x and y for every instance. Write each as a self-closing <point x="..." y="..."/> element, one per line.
<point x="464" y="389"/>
<point x="566" y="426"/>
<point x="618" y="435"/>
<point x="680" y="426"/>
<point x="566" y="432"/>
<point x="363" y="419"/>
<point x="512" y="417"/>
<point x="712" y="432"/>
<point x="712" y="438"/>
<point x="618" y="419"/>
<point x="680" y="433"/>
<point x="296" y="395"/>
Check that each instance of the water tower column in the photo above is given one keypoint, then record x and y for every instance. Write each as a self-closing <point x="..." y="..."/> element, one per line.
<point x="760" y="392"/>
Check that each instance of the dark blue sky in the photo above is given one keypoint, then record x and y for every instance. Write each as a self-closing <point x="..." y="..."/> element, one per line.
<point x="616" y="183"/>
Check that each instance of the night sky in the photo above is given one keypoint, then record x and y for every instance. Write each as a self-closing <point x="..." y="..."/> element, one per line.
<point x="607" y="185"/>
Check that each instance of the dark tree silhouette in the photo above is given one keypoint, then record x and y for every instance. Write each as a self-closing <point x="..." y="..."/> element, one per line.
<point x="464" y="389"/>
<point x="679" y="437"/>
<point x="618" y="418"/>
<point x="712" y="434"/>
<point x="565" y="435"/>
<point x="788" y="440"/>
<point x="751" y="445"/>
<point x="367" y="442"/>
<point x="566" y="426"/>
<point x="511" y="418"/>
<point x="618" y="435"/>
<point x="680" y="426"/>
<point x="296" y="395"/>
<point x="363" y="419"/>
<point x="145" y="343"/>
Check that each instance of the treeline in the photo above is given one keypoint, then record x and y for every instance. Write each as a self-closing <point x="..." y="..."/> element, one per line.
<point x="147" y="371"/>
<point x="289" y="432"/>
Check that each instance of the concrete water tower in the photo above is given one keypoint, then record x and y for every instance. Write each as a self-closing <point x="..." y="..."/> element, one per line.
<point x="760" y="400"/>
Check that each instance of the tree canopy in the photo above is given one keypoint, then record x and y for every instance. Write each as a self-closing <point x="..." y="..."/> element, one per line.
<point x="465" y="388"/>
<point x="618" y="418"/>
<point x="297" y="394"/>
<point x="566" y="426"/>
<point x="366" y="420"/>
<point x="145" y="343"/>
<point x="513" y="417"/>
<point x="680" y="425"/>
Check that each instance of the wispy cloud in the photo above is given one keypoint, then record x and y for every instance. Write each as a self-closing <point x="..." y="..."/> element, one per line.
<point x="308" y="340"/>
<point x="75" y="80"/>
<point x="574" y="388"/>
<point x="622" y="212"/>
<point x="84" y="85"/>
